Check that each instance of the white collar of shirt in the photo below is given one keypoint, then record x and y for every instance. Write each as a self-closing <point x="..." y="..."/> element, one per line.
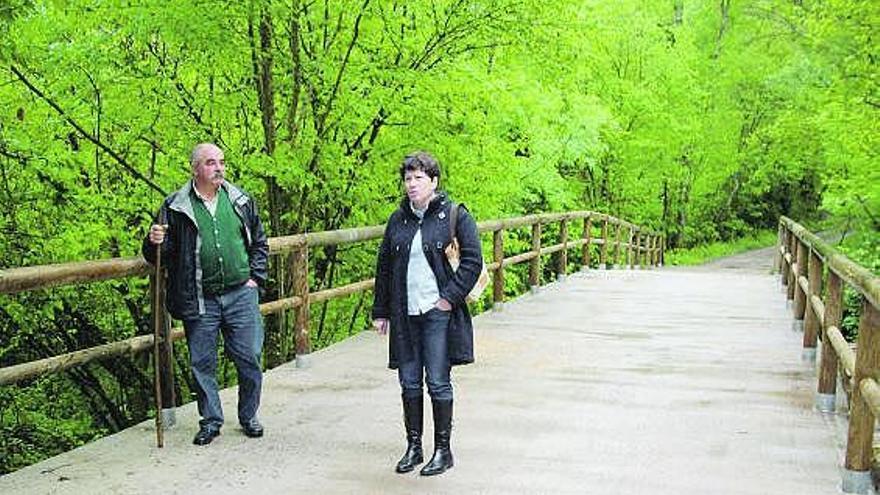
<point x="210" y="204"/>
<point x="419" y="213"/>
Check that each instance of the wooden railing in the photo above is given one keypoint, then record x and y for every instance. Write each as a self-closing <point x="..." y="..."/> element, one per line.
<point x="803" y="260"/>
<point x="632" y="246"/>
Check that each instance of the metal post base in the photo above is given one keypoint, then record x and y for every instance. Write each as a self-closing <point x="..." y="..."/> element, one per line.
<point x="535" y="289"/>
<point x="825" y="402"/>
<point x="169" y="417"/>
<point x="303" y="361"/>
<point x="798" y="326"/>
<point x="856" y="481"/>
<point x="497" y="306"/>
<point x="809" y="355"/>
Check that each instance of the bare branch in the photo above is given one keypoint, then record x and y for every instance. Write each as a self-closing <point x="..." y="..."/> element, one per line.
<point x="73" y="123"/>
<point x="344" y="65"/>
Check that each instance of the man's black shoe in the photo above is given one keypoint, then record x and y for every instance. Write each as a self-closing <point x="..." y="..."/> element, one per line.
<point x="205" y="436"/>
<point x="252" y="428"/>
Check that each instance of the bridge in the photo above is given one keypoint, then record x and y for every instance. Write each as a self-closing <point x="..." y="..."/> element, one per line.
<point x="604" y="381"/>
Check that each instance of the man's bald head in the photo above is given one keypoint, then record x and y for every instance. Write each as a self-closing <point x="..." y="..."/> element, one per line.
<point x="199" y="151"/>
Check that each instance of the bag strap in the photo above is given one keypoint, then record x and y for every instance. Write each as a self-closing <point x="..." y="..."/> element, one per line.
<point x="453" y="219"/>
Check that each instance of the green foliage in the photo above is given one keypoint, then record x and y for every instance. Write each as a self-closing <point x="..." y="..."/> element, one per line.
<point x="32" y="428"/>
<point x="708" y="252"/>
<point x="862" y="247"/>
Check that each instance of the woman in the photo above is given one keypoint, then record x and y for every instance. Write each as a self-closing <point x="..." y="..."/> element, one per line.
<point x="421" y="300"/>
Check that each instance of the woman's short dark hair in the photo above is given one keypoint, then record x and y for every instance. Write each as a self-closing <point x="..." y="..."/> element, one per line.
<point x="420" y="161"/>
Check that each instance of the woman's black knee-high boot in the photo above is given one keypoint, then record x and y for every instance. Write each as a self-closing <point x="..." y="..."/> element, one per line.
<point x="442" y="459"/>
<point x="412" y="420"/>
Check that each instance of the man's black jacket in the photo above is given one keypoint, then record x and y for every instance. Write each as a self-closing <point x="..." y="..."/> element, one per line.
<point x="180" y="251"/>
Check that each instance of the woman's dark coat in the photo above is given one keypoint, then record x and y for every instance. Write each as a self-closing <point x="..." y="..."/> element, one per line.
<point x="390" y="300"/>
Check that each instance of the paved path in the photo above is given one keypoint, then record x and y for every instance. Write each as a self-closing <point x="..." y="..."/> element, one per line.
<point x="662" y="381"/>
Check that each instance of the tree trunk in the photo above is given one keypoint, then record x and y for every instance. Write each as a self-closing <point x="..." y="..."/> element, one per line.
<point x="725" y="22"/>
<point x="261" y="55"/>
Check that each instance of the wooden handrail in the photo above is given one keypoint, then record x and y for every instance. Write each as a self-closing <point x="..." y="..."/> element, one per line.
<point x="48" y="276"/>
<point x="802" y="260"/>
<point x="55" y="364"/>
<point x="40" y="277"/>
<point x="857" y="276"/>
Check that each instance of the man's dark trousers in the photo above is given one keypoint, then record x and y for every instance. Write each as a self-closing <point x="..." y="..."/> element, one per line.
<point x="236" y="314"/>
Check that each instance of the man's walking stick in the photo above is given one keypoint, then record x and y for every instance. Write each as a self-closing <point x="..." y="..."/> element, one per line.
<point x="157" y="334"/>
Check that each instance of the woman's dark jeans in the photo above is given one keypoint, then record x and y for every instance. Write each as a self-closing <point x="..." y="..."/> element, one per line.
<point x="428" y="331"/>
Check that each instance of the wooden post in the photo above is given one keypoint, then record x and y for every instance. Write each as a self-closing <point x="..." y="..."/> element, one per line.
<point x="274" y="325"/>
<point x="617" y="246"/>
<point x="301" y="288"/>
<point x="498" y="276"/>
<point x="777" y="258"/>
<point x="637" y="261"/>
<point x="829" y="362"/>
<point x="633" y="247"/>
<point x="800" y="296"/>
<point x="562" y="267"/>
<point x="289" y="317"/>
<point x="811" y="320"/>
<point x="861" y="420"/>
<point x="535" y="263"/>
<point x="603" y="250"/>
<point x="628" y="255"/>
<point x="792" y="270"/>
<point x="784" y="272"/>
<point x="588" y="242"/>
<point x="662" y="259"/>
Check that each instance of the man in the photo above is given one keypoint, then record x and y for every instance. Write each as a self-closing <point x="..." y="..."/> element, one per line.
<point x="216" y="252"/>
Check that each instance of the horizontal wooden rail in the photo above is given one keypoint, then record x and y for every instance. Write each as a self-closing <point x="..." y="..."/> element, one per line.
<point x="343" y="291"/>
<point x="41" y="277"/>
<point x="519" y="258"/>
<point x="279" y="305"/>
<point x="48" y="276"/>
<point x="62" y="362"/>
<point x="871" y="393"/>
<point x="841" y="347"/>
<point x="804" y="283"/>
<point x="818" y="309"/>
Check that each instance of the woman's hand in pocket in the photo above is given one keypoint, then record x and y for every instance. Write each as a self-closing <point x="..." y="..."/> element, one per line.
<point x="381" y="325"/>
<point x="443" y="305"/>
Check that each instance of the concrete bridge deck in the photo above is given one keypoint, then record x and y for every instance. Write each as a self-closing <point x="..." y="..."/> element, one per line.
<point x="661" y="381"/>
